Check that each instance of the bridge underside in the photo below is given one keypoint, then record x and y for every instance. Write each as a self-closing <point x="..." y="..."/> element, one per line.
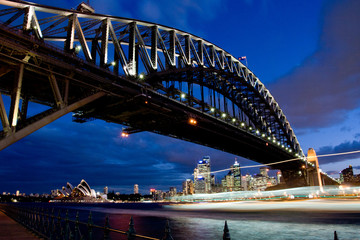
<point x="59" y="80"/>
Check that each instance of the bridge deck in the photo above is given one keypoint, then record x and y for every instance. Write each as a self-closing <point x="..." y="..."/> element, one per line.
<point x="9" y="229"/>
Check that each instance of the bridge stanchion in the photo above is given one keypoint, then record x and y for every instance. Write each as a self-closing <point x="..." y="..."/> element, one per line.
<point x="131" y="232"/>
<point x="226" y="235"/>
<point x="90" y="226"/>
<point x="335" y="236"/>
<point x="106" y="228"/>
<point x="167" y="235"/>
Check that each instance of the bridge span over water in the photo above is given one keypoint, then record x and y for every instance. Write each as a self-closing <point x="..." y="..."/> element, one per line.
<point x="146" y="76"/>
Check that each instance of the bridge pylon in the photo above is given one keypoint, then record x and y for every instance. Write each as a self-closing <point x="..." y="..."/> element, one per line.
<point x="313" y="175"/>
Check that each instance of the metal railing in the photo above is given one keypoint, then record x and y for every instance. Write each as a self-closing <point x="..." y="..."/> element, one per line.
<point x="47" y="225"/>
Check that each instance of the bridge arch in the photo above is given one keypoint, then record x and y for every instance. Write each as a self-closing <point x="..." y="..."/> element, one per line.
<point x="149" y="55"/>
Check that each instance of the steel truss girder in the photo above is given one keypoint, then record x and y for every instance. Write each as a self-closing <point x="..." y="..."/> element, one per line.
<point x="171" y="43"/>
<point x="17" y="135"/>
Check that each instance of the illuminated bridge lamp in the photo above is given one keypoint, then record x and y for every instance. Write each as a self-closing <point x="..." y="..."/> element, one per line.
<point x="192" y="121"/>
<point x="113" y="63"/>
<point x="124" y="135"/>
<point x="223" y="115"/>
<point x="77" y="48"/>
<point x="243" y="124"/>
<point x="212" y="109"/>
<point x="233" y="119"/>
<point x="141" y="76"/>
<point x="183" y="95"/>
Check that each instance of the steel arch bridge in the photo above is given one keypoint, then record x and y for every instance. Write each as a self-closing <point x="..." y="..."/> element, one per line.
<point x="144" y="75"/>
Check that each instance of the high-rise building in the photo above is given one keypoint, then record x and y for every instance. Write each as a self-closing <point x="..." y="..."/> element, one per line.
<point x="17" y="193"/>
<point x="106" y="190"/>
<point x="172" y="191"/>
<point x="278" y="176"/>
<point x="136" y="189"/>
<point x="232" y="181"/>
<point x="264" y="171"/>
<point x="188" y="187"/>
<point x="202" y="177"/>
<point x="237" y="176"/>
<point x="348" y="174"/>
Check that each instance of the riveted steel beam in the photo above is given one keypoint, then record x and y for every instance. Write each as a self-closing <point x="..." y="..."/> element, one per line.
<point x="4" y="117"/>
<point x="17" y="135"/>
<point x="15" y="97"/>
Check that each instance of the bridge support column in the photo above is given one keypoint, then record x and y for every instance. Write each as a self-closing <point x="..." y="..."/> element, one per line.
<point x="314" y="173"/>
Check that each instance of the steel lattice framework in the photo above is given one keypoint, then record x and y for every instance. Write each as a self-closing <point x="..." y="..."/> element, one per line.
<point x="181" y="66"/>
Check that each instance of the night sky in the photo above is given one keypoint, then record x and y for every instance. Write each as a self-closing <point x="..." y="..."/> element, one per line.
<point x="305" y="52"/>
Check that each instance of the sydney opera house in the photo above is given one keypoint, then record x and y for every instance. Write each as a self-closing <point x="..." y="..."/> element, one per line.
<point x="80" y="192"/>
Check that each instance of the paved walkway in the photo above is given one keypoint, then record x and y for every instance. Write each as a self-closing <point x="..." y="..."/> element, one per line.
<point x="11" y="230"/>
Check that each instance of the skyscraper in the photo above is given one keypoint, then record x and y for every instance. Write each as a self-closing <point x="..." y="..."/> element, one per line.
<point x="136" y="189"/>
<point x="237" y="176"/>
<point x="188" y="187"/>
<point x="264" y="171"/>
<point x="202" y="178"/>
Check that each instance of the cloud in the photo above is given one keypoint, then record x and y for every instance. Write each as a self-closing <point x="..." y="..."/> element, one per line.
<point x="344" y="147"/>
<point x="65" y="151"/>
<point x="326" y="85"/>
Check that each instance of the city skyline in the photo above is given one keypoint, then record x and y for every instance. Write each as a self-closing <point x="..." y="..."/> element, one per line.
<point x="313" y="51"/>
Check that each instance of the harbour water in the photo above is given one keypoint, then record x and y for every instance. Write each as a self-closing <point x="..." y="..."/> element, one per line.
<point x="315" y="219"/>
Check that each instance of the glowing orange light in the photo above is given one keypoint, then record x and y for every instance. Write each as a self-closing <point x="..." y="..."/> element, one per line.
<point x="124" y="134"/>
<point x="192" y="121"/>
<point x="146" y="102"/>
<point x="152" y="190"/>
<point x="267" y="144"/>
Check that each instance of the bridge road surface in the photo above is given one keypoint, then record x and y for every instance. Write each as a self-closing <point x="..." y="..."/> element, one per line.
<point x="11" y="230"/>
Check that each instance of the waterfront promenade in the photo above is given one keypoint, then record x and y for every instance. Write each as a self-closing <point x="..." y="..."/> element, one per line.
<point x="11" y="230"/>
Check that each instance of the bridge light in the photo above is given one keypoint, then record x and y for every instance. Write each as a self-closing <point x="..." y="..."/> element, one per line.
<point x="124" y="135"/>
<point x="141" y="76"/>
<point x="77" y="48"/>
<point x="212" y="109"/>
<point x="274" y="141"/>
<point x="290" y="150"/>
<point x="286" y="148"/>
<point x="250" y="128"/>
<point x="233" y="119"/>
<point x="257" y="132"/>
<point x="183" y="95"/>
<point x="269" y="138"/>
<point x="278" y="143"/>
<point x="263" y="135"/>
<point x="113" y="63"/>
<point x="243" y="124"/>
<point x="223" y="115"/>
<point x="192" y="121"/>
<point x="282" y="146"/>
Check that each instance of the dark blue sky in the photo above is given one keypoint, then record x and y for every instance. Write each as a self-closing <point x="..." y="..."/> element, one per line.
<point x="306" y="53"/>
